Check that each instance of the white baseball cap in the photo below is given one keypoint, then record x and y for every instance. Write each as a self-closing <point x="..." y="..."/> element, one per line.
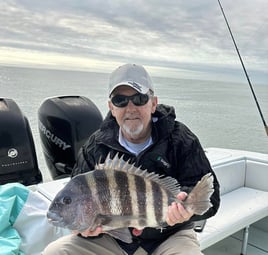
<point x="132" y="75"/>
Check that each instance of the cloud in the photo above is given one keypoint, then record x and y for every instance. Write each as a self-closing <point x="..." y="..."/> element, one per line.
<point x="175" y="34"/>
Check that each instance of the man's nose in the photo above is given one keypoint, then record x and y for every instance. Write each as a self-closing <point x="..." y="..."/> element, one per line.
<point x="131" y="106"/>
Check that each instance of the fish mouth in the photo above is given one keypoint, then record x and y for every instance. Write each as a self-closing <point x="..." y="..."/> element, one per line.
<point x="59" y="221"/>
<point x="55" y="219"/>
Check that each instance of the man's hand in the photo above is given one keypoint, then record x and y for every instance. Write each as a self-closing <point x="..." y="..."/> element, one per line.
<point x="88" y="232"/>
<point x="177" y="213"/>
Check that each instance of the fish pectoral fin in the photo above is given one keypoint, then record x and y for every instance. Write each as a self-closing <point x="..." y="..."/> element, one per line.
<point x="103" y="219"/>
<point x="122" y="234"/>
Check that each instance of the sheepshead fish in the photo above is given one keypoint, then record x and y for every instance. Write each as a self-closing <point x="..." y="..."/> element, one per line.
<point x="117" y="195"/>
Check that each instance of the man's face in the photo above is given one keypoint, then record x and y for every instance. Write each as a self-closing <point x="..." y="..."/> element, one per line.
<point x="135" y="121"/>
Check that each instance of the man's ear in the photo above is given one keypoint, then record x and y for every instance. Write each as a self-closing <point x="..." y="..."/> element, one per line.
<point x="154" y="103"/>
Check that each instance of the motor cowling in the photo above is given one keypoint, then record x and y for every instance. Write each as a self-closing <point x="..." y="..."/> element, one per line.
<point x="65" y="123"/>
<point x="18" y="161"/>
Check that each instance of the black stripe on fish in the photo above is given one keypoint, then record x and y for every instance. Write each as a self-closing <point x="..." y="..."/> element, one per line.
<point x="102" y="181"/>
<point x="158" y="201"/>
<point x="121" y="180"/>
<point x="81" y="182"/>
<point x="141" y="200"/>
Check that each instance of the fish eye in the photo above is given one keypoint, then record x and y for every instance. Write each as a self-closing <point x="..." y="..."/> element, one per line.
<point x="66" y="200"/>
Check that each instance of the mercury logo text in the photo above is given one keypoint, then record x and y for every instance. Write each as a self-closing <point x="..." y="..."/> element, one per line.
<point x="52" y="137"/>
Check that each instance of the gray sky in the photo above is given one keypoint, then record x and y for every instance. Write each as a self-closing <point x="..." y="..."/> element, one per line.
<point x="176" y="38"/>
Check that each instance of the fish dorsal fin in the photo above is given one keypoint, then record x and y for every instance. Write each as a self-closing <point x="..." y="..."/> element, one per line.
<point x="119" y="164"/>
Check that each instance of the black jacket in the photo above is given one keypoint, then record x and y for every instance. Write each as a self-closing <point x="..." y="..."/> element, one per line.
<point x="175" y="152"/>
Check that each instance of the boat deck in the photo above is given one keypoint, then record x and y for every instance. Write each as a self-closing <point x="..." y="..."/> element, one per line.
<point x="257" y="244"/>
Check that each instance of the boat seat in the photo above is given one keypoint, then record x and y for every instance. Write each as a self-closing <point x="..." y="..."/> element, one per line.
<point x="239" y="209"/>
<point x="244" y="200"/>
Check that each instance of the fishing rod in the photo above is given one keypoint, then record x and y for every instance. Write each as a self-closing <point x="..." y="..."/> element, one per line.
<point x="245" y="71"/>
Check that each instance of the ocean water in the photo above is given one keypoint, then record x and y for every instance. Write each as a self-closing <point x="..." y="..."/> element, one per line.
<point x="221" y="114"/>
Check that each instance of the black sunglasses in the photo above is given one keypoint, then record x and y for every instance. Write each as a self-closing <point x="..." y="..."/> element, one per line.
<point x="137" y="99"/>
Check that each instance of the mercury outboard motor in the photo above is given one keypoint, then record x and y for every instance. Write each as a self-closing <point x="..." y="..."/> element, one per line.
<point x="18" y="162"/>
<point x="64" y="125"/>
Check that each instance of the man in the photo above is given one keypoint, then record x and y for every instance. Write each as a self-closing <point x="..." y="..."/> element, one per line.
<point x="149" y="136"/>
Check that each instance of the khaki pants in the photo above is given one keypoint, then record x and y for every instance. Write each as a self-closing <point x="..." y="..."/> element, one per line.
<point x="183" y="242"/>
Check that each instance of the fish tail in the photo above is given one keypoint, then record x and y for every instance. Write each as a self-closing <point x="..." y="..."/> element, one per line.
<point x="198" y="200"/>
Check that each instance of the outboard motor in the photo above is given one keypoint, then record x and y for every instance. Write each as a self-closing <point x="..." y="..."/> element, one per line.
<point x="64" y="125"/>
<point x="18" y="162"/>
